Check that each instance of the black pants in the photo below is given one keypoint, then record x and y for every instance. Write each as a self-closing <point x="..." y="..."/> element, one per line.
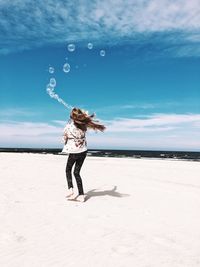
<point x="77" y="159"/>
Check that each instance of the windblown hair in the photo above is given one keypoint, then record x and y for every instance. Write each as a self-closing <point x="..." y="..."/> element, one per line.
<point x="83" y="121"/>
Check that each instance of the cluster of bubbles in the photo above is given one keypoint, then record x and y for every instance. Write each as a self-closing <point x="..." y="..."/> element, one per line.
<point x="66" y="68"/>
<point x="50" y="90"/>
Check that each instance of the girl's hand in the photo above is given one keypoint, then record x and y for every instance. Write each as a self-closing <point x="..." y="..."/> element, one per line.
<point x="64" y="139"/>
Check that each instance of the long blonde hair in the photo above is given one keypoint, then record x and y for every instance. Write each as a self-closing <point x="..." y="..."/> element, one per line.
<point x="83" y="121"/>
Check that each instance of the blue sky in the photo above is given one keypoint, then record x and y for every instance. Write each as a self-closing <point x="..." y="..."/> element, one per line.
<point x="145" y="89"/>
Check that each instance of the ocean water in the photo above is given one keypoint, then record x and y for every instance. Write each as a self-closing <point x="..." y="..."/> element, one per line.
<point x="176" y="155"/>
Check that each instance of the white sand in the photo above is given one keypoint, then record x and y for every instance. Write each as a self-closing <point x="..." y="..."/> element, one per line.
<point x="141" y="213"/>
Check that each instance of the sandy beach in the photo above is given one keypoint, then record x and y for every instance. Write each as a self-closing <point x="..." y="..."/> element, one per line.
<point x="139" y="212"/>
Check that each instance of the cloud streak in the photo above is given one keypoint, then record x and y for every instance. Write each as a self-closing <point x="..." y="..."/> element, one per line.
<point x="173" y="131"/>
<point x="154" y="123"/>
<point x="31" y="134"/>
<point x="170" y="24"/>
<point x="138" y="106"/>
<point x="10" y="112"/>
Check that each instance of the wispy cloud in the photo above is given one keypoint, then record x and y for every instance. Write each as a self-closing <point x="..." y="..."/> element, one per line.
<point x="30" y="134"/>
<point x="161" y="131"/>
<point x="149" y="107"/>
<point x="10" y="112"/>
<point x="170" y="24"/>
<point x="31" y="129"/>
<point x="154" y="123"/>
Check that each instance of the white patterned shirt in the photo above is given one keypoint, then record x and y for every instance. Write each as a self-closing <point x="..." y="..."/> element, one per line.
<point x="76" y="139"/>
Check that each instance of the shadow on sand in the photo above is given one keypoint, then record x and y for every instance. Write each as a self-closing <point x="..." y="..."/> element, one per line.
<point x="113" y="193"/>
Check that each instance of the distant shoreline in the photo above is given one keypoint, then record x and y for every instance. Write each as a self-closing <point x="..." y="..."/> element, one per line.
<point x="184" y="155"/>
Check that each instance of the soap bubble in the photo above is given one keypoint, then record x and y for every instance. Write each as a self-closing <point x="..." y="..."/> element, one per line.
<point x="71" y="47"/>
<point x="51" y="94"/>
<point x="51" y="70"/>
<point x="66" y="67"/>
<point x="48" y="89"/>
<point x="90" y="45"/>
<point x="52" y="82"/>
<point x="102" y="53"/>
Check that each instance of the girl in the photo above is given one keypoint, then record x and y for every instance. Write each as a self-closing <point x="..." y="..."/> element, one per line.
<point x="76" y="145"/>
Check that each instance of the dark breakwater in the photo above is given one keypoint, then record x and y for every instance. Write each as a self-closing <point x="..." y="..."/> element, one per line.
<point x="184" y="155"/>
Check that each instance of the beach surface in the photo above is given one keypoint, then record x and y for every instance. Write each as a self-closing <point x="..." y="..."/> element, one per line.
<point x="139" y="212"/>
